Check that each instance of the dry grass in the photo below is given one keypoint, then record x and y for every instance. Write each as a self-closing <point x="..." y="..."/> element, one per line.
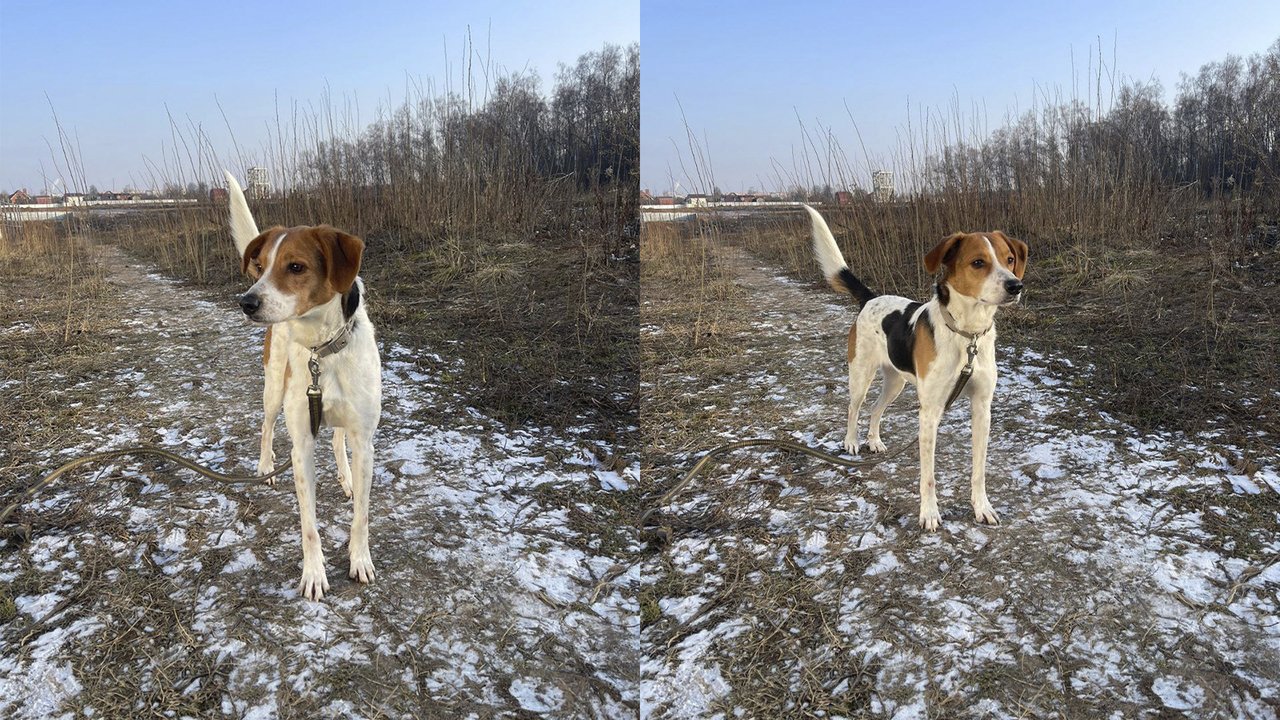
<point x="1157" y="316"/>
<point x="694" y="311"/>
<point x="54" y="292"/>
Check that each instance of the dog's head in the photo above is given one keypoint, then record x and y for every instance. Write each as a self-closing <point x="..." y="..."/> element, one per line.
<point x="986" y="267"/>
<point x="298" y="269"/>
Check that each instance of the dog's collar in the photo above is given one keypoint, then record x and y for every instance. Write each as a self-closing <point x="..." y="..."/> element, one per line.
<point x="951" y="325"/>
<point x="336" y="343"/>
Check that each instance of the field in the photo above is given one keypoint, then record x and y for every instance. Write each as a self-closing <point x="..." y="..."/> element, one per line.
<point x="1136" y="568"/>
<point x="501" y="276"/>
<point x="137" y="588"/>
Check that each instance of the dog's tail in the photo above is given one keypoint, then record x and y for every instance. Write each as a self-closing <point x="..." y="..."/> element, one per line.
<point x="834" y="268"/>
<point x="243" y="227"/>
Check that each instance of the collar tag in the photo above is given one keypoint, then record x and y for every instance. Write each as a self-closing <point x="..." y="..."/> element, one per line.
<point x="315" y="400"/>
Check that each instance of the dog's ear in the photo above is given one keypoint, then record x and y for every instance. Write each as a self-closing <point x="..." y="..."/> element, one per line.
<point x="1019" y="253"/>
<point x="942" y="253"/>
<point x="342" y="253"/>
<point x="249" y="263"/>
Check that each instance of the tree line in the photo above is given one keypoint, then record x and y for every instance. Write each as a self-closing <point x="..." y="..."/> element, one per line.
<point x="495" y="154"/>
<point x="1219" y="137"/>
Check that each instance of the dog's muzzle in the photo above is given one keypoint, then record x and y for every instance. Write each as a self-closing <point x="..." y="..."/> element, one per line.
<point x="250" y="303"/>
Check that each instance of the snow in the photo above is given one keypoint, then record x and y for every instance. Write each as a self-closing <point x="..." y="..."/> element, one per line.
<point x="535" y="698"/>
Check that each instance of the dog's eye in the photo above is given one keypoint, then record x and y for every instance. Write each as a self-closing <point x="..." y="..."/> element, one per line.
<point x="1010" y="259"/>
<point x="978" y="263"/>
<point x="296" y="268"/>
<point x="257" y="266"/>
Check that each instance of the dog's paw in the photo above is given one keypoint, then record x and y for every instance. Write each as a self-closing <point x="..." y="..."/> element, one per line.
<point x="314" y="583"/>
<point x="984" y="514"/>
<point x="930" y="519"/>
<point x="361" y="567"/>
<point x="850" y="445"/>
<point x="344" y="479"/>
<point x="266" y="464"/>
<point x="875" y="445"/>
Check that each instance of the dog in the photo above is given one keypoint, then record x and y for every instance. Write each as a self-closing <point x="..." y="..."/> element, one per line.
<point x="308" y="293"/>
<point x="929" y="344"/>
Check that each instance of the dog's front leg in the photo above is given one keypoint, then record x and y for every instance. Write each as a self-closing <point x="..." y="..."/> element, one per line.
<point x="361" y="480"/>
<point x="930" y="416"/>
<point x="314" y="582"/>
<point x="275" y="379"/>
<point x="981" y="404"/>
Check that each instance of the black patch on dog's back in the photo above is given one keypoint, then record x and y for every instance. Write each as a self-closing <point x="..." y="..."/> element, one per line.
<point x="900" y="338"/>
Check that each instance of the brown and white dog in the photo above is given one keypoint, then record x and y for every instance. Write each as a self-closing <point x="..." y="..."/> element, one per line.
<point x="927" y="344"/>
<point x="307" y="291"/>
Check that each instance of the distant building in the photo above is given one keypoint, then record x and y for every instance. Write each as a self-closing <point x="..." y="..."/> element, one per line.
<point x="259" y="185"/>
<point x="646" y="198"/>
<point x="73" y="199"/>
<point x="882" y="185"/>
<point x="19" y="197"/>
<point x="844" y="197"/>
<point x="696" y="200"/>
<point x="219" y="196"/>
<point x="42" y="200"/>
<point x="123" y="195"/>
<point x="665" y="200"/>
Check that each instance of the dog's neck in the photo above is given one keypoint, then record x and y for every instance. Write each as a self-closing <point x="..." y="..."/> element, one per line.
<point x="969" y="315"/>
<point x="318" y="324"/>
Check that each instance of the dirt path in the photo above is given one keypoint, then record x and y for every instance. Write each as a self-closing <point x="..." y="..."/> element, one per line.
<point x="1133" y="575"/>
<point x="158" y="590"/>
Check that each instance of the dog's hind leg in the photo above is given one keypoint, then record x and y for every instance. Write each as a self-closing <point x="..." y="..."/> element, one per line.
<point x="860" y="376"/>
<point x="340" y="455"/>
<point x="893" y="384"/>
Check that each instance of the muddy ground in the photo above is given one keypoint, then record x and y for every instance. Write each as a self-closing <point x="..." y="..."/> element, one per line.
<point x="1134" y="575"/>
<point x="145" y="590"/>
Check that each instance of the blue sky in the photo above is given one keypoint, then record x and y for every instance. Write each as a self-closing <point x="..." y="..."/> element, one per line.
<point x="744" y="71"/>
<point x="109" y="69"/>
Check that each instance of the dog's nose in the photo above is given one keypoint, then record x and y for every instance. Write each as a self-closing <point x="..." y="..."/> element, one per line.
<point x="250" y="303"/>
<point x="1013" y="287"/>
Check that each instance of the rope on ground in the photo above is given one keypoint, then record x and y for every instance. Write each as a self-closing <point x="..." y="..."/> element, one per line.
<point x="761" y="442"/>
<point x="136" y="450"/>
